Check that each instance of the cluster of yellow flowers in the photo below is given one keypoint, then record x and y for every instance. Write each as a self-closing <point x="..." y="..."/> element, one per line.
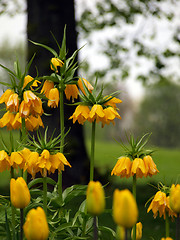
<point x="33" y="162"/>
<point x="141" y="167"/>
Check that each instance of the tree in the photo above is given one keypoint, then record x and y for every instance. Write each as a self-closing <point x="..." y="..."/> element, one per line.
<point x="159" y="113"/>
<point x="45" y="17"/>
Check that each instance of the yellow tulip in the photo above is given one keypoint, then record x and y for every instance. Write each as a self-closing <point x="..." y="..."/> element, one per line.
<point x="95" y="198"/>
<point x="168" y="238"/>
<point x="125" y="211"/>
<point x="138" y="231"/>
<point x="36" y="226"/>
<point x="174" y="198"/>
<point x="19" y="193"/>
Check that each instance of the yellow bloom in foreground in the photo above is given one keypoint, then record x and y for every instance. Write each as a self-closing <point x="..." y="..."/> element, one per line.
<point x="53" y="98"/>
<point x="95" y="198"/>
<point x="17" y="160"/>
<point x="150" y="166"/>
<point x="36" y="226"/>
<point x="160" y="203"/>
<point x="4" y="98"/>
<point x="138" y="168"/>
<point x="56" y="62"/>
<point x="71" y="90"/>
<point x="34" y="103"/>
<point x="174" y="198"/>
<point x="13" y="103"/>
<point x="31" y="164"/>
<point x="80" y="114"/>
<point x="47" y="86"/>
<point x="125" y="211"/>
<point x="19" y="193"/>
<point x="96" y="113"/>
<point x="58" y="161"/>
<point x="138" y="231"/>
<point x="122" y="167"/>
<point x="4" y="161"/>
<point x="168" y="238"/>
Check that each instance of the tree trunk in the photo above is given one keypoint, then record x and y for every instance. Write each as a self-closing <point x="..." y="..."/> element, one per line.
<point x="45" y="17"/>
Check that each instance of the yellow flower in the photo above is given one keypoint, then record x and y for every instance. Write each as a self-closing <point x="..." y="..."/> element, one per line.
<point x="33" y="123"/>
<point x="53" y="98"/>
<point x="150" y="166"/>
<point x="4" y="98"/>
<point x="13" y="103"/>
<point x="4" y="161"/>
<point x="120" y="233"/>
<point x="87" y="84"/>
<point x="122" y="167"/>
<point x="7" y="120"/>
<point x="110" y="115"/>
<point x="174" y="198"/>
<point x="58" y="161"/>
<point x="24" y="109"/>
<point x="125" y="211"/>
<point x="31" y="164"/>
<point x="33" y="101"/>
<point x="16" y="160"/>
<point x="80" y="114"/>
<point x="17" y="122"/>
<point x="96" y="113"/>
<point x="160" y="203"/>
<point x="138" y="168"/>
<point x="138" y="231"/>
<point x="113" y="101"/>
<point x="28" y="79"/>
<point x="36" y="226"/>
<point x="71" y="90"/>
<point x="44" y="160"/>
<point x="47" y="86"/>
<point x="55" y="62"/>
<point x="19" y="193"/>
<point x="168" y="238"/>
<point x="95" y="198"/>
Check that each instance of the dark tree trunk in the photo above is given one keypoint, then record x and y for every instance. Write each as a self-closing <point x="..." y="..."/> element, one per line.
<point x="44" y="17"/>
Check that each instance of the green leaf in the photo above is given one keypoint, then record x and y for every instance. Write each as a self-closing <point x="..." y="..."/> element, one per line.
<point x="8" y="233"/>
<point x="40" y="180"/>
<point x="62" y="52"/>
<point x="46" y="47"/>
<point x="73" y="191"/>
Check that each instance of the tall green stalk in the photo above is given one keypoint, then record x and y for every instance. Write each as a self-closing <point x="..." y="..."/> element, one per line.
<point x="92" y="150"/>
<point x="167" y="225"/>
<point x="62" y="141"/>
<point x="21" y="223"/>
<point x="134" y="194"/>
<point x="45" y="194"/>
<point x="95" y="229"/>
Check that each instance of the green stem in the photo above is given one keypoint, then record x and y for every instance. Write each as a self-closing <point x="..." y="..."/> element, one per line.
<point x="167" y="225"/>
<point x="126" y="234"/>
<point x="62" y="141"/>
<point x="13" y="209"/>
<point x="92" y="150"/>
<point x="95" y="229"/>
<point x="134" y="194"/>
<point x="45" y="194"/>
<point x="21" y="223"/>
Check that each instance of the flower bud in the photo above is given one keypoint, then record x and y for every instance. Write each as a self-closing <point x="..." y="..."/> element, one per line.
<point x="36" y="226"/>
<point x="95" y="198"/>
<point x="19" y="193"/>
<point x="174" y="198"/>
<point x="125" y="211"/>
<point x="168" y="238"/>
<point x="138" y="231"/>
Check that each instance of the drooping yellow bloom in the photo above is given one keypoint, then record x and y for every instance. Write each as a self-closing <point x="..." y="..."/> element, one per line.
<point x="28" y="79"/>
<point x="110" y="115"/>
<point x="122" y="167"/>
<point x="53" y="98"/>
<point x="31" y="164"/>
<point x="13" y="103"/>
<point x="36" y="226"/>
<point x="4" y="161"/>
<point x="24" y="109"/>
<point x="33" y="123"/>
<point x="58" y="161"/>
<point x="150" y="166"/>
<point x="95" y="198"/>
<point x="47" y="86"/>
<point x="174" y="198"/>
<point x="87" y="84"/>
<point x="19" y="193"/>
<point x="56" y="62"/>
<point x="4" y="98"/>
<point x="96" y="113"/>
<point x="71" y="90"/>
<point x="34" y="103"/>
<point x="81" y="114"/>
<point x="7" y="120"/>
<point x="17" y="160"/>
<point x="113" y="101"/>
<point x="138" y="168"/>
<point x="160" y="203"/>
<point x="17" y="122"/>
<point x="125" y="211"/>
<point x="138" y="231"/>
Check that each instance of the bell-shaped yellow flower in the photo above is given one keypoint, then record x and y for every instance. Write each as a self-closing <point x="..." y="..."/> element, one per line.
<point x="36" y="226"/>
<point x="7" y="120"/>
<point x="125" y="211"/>
<point x="96" y="113"/>
<point x="31" y="164"/>
<point x="86" y="83"/>
<point x="4" y="161"/>
<point x="19" y="193"/>
<point x="71" y="90"/>
<point x="58" y="161"/>
<point x="28" y="79"/>
<point x="81" y="114"/>
<point x="95" y="198"/>
<point x="33" y="123"/>
<point x="174" y="198"/>
<point x="24" y="109"/>
<point x="53" y="98"/>
<point x="138" y="168"/>
<point x="47" y="86"/>
<point x="150" y="166"/>
<point x="138" y="231"/>
<point x="122" y="167"/>
<point x="16" y="160"/>
<point x="5" y="97"/>
<point x="56" y="62"/>
<point x="13" y="103"/>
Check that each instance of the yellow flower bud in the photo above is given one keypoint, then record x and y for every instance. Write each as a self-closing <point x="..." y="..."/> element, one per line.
<point x="125" y="211"/>
<point x="168" y="238"/>
<point x="138" y="231"/>
<point x="36" y="226"/>
<point x="95" y="198"/>
<point x="19" y="193"/>
<point x="174" y="198"/>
